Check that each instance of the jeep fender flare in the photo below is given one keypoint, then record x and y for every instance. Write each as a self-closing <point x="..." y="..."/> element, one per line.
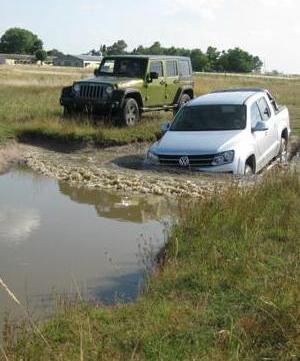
<point x="185" y="89"/>
<point x="119" y="95"/>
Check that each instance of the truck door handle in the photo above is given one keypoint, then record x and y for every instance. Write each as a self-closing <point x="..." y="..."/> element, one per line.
<point x="162" y="82"/>
<point x="176" y="81"/>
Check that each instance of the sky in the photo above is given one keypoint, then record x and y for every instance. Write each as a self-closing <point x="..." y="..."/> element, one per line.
<point x="267" y="28"/>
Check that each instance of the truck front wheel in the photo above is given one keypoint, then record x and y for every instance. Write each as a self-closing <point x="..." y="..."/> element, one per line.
<point x="131" y="112"/>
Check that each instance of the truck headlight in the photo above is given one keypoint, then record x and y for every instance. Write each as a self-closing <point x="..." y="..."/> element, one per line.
<point x="76" y="88"/>
<point x="223" y="158"/>
<point x="152" y="157"/>
<point x="109" y="90"/>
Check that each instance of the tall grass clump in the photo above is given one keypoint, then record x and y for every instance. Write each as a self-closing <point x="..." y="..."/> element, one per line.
<point x="226" y="288"/>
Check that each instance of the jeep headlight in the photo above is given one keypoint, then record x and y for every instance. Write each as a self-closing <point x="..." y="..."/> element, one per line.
<point x="109" y="90"/>
<point x="152" y="157"/>
<point x="76" y="88"/>
<point x="223" y="158"/>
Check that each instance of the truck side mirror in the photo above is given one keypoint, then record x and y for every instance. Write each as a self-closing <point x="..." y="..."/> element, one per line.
<point x="260" y="127"/>
<point x="96" y="72"/>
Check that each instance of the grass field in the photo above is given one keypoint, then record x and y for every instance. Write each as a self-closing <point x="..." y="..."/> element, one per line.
<point x="29" y="105"/>
<point x="228" y="290"/>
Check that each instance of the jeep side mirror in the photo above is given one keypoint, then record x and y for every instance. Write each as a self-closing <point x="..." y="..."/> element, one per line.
<point x="153" y="75"/>
<point x="165" y="127"/>
<point x="260" y="127"/>
<point x="96" y="72"/>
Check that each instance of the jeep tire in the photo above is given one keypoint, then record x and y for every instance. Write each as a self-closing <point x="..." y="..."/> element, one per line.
<point x="185" y="98"/>
<point x="130" y="112"/>
<point x="68" y="111"/>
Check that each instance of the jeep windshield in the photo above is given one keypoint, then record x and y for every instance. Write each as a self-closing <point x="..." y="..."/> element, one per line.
<point x="123" y="67"/>
<point x="210" y="118"/>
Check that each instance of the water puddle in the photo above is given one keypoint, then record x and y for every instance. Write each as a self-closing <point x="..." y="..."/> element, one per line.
<point x="59" y="240"/>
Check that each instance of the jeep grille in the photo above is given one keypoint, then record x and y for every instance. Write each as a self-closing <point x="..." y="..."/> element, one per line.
<point x="91" y="91"/>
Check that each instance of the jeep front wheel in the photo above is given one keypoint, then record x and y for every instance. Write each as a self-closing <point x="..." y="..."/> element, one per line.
<point x="131" y="112"/>
<point x="185" y="98"/>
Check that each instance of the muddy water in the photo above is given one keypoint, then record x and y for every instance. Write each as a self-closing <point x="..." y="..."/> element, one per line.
<point x="59" y="240"/>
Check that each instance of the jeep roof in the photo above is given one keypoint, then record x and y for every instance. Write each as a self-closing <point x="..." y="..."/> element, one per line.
<point x="152" y="57"/>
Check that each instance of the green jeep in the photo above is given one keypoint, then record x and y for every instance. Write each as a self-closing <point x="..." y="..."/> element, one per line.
<point x="126" y="86"/>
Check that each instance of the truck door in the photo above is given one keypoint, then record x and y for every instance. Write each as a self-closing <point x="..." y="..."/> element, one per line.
<point x="258" y="136"/>
<point x="172" y="81"/>
<point x="155" y="94"/>
<point x="271" y="134"/>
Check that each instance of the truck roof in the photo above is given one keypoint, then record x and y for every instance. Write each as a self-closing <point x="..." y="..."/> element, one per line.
<point x="156" y="57"/>
<point x="227" y="97"/>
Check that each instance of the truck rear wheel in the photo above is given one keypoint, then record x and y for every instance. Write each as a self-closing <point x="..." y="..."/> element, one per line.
<point x="131" y="112"/>
<point x="283" y="152"/>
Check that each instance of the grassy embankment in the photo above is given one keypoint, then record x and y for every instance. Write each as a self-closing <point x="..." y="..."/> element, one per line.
<point x="228" y="290"/>
<point x="29" y="105"/>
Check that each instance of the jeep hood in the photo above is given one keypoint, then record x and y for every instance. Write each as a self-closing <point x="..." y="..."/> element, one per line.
<point x="119" y="82"/>
<point x="198" y="142"/>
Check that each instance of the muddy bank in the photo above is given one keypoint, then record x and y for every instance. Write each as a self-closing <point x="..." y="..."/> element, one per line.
<point x="10" y="154"/>
<point x="122" y="169"/>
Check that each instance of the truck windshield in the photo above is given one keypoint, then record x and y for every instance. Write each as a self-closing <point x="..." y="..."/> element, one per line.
<point x="124" y="67"/>
<point x="210" y="118"/>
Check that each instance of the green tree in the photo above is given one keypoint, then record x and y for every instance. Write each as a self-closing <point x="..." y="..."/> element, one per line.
<point x="41" y="55"/>
<point x="54" y="52"/>
<point x="239" y="61"/>
<point x="213" y="56"/>
<point x="118" y="48"/>
<point x="20" y="41"/>
<point x="199" y="60"/>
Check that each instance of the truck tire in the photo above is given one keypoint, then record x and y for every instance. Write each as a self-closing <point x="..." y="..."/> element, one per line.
<point x="131" y="113"/>
<point x="248" y="171"/>
<point x="185" y="98"/>
<point x="283" y="151"/>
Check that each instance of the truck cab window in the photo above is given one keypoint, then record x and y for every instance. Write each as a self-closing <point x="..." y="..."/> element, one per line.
<point x="255" y="115"/>
<point x="265" y="111"/>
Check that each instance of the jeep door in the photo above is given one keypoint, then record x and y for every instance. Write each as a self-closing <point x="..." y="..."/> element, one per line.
<point x="155" y="94"/>
<point x="172" y="80"/>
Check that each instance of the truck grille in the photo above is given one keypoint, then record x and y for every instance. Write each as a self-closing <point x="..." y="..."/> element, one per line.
<point x="194" y="160"/>
<point x="92" y="91"/>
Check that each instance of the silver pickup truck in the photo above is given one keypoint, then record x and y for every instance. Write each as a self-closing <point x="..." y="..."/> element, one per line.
<point x="235" y="131"/>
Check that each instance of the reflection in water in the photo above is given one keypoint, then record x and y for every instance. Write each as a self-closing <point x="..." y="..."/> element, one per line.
<point x="16" y="225"/>
<point x="136" y="208"/>
<point x="69" y="247"/>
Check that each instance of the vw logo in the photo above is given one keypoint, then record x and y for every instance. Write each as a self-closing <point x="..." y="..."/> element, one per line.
<point x="184" y="161"/>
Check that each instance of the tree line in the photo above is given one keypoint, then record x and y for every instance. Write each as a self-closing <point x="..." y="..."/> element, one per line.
<point x="213" y="60"/>
<point x="22" y="41"/>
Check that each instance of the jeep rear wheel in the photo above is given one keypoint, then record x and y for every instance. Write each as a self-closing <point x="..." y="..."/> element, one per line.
<point x="185" y="98"/>
<point x="131" y="112"/>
